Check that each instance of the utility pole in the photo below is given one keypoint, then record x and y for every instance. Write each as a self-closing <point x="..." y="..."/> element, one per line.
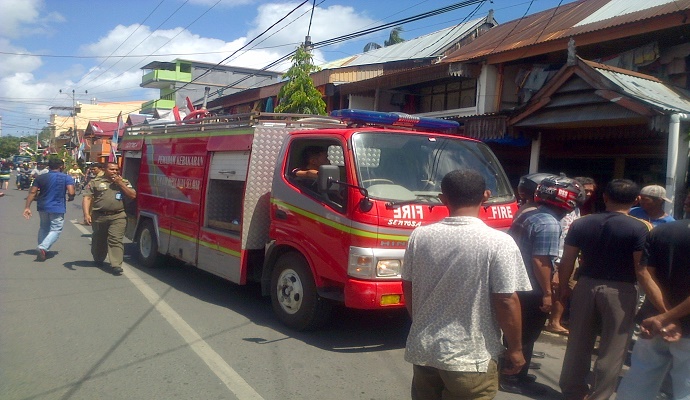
<point x="75" y="136"/>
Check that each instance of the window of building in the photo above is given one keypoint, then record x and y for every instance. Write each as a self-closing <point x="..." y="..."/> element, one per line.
<point x="448" y="96"/>
<point x="186" y="68"/>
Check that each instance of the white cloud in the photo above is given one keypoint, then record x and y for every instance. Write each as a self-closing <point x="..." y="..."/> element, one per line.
<point x="15" y="13"/>
<point x="326" y="23"/>
<point x="162" y="45"/>
<point x="13" y="62"/>
<point x="23" y="17"/>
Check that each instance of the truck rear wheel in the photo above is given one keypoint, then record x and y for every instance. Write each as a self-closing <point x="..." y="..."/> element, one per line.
<point x="147" y="244"/>
<point x="294" y="296"/>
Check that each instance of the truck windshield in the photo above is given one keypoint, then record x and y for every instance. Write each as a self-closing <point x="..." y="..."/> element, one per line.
<point x="408" y="168"/>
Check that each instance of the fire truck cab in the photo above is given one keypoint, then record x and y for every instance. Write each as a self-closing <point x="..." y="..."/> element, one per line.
<point x="224" y="195"/>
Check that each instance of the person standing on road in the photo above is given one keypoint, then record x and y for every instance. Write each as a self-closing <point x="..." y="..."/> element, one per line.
<point x="537" y="234"/>
<point x="605" y="296"/>
<point x="558" y="308"/>
<point x="526" y="188"/>
<point x="104" y="209"/>
<point x="51" y="204"/>
<point x="459" y="283"/>
<point x="665" y="277"/>
<point x="5" y="173"/>
<point x="651" y="205"/>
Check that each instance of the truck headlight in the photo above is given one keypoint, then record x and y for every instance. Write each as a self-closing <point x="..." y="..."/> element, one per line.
<point x="360" y="266"/>
<point x="388" y="268"/>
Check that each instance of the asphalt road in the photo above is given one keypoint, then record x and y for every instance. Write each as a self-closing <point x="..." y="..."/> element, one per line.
<point x="69" y="330"/>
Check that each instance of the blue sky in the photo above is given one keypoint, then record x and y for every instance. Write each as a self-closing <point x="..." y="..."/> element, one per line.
<point x="99" y="46"/>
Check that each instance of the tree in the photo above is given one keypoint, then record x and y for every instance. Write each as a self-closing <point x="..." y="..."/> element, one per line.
<point x="298" y="94"/>
<point x="9" y="145"/>
<point x="393" y="38"/>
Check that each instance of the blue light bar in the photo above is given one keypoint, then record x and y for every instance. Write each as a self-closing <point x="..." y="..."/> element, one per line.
<point x="394" y="119"/>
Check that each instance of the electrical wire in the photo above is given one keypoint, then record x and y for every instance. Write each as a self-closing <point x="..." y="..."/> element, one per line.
<point x="244" y="46"/>
<point x="143" y="40"/>
<point x="123" y="42"/>
<point x="360" y="33"/>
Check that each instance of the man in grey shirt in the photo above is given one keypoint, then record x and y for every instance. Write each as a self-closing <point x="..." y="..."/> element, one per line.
<point x="459" y="280"/>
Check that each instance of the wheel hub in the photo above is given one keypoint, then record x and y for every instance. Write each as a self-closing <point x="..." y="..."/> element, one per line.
<point x="290" y="291"/>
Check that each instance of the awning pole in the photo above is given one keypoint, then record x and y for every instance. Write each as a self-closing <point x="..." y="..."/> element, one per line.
<point x="534" y="154"/>
<point x="676" y="160"/>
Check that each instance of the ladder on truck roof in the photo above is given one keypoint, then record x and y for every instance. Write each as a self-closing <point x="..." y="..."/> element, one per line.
<point x="217" y="122"/>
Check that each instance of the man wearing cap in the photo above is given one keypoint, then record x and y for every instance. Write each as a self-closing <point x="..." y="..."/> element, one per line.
<point x="651" y="205"/>
<point x="664" y="344"/>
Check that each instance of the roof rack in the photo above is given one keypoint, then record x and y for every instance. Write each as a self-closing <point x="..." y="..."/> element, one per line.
<point x="229" y="121"/>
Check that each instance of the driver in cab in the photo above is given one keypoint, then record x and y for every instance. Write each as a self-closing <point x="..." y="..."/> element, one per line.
<point x="312" y="158"/>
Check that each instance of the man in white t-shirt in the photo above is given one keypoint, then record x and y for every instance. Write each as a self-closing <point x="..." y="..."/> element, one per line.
<point x="459" y="280"/>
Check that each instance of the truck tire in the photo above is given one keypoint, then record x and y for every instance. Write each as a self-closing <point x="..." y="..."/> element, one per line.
<point x="293" y="294"/>
<point x="147" y="244"/>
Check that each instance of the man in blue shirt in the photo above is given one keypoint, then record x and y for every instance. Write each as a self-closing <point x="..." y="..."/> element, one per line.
<point x="50" y="203"/>
<point x="651" y="205"/>
<point x="665" y="336"/>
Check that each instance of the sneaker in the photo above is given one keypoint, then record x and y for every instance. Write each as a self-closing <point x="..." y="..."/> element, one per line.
<point x="117" y="270"/>
<point x="41" y="255"/>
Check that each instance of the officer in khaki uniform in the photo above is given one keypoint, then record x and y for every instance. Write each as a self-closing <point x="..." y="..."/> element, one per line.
<point x="104" y="209"/>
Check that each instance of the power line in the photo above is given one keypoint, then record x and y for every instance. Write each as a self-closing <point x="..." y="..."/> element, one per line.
<point x="123" y="42"/>
<point x="169" y="40"/>
<point x="143" y="40"/>
<point x="360" y="33"/>
<point x="246" y="44"/>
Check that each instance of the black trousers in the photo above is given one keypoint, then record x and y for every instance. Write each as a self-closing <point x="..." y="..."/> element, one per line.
<point x="533" y="320"/>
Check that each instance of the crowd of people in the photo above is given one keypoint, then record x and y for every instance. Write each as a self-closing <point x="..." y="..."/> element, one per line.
<point x="559" y="268"/>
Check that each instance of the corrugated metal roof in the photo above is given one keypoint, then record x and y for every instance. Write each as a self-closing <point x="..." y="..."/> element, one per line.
<point x="618" y="8"/>
<point x="649" y="90"/>
<point x="428" y="46"/>
<point x="563" y="22"/>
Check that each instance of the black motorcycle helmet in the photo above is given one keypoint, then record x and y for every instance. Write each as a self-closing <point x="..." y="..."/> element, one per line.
<point x="528" y="185"/>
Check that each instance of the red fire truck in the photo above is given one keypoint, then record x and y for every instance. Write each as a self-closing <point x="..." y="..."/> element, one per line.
<point x="222" y="194"/>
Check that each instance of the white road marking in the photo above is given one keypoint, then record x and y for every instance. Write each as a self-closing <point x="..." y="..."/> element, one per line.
<point x="231" y="379"/>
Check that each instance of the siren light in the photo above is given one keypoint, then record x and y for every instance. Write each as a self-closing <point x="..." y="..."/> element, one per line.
<point x="394" y="119"/>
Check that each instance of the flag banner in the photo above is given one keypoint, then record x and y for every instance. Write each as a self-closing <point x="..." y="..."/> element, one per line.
<point x="112" y="157"/>
<point x="120" y="127"/>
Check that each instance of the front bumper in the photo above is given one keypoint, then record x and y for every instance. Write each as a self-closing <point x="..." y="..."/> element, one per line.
<point x="371" y="295"/>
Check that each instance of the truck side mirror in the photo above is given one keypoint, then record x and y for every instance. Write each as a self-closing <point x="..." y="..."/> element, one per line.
<point x="328" y="174"/>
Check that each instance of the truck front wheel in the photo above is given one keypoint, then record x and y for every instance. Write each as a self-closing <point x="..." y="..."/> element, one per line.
<point x="147" y="244"/>
<point x="294" y="296"/>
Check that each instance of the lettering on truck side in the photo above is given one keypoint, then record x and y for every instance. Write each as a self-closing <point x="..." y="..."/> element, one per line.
<point x="189" y="161"/>
<point x="501" y="212"/>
